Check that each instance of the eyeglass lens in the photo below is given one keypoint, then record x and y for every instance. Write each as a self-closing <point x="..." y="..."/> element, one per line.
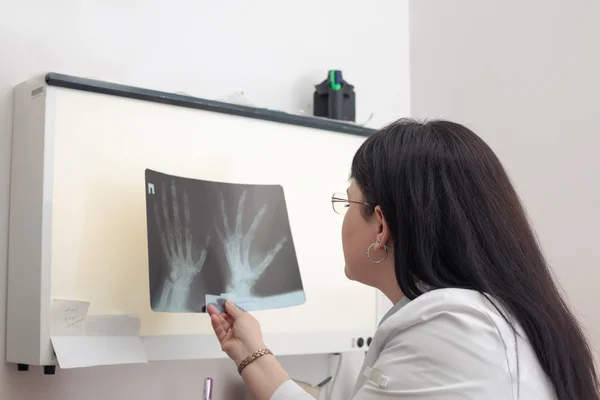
<point x="339" y="202"/>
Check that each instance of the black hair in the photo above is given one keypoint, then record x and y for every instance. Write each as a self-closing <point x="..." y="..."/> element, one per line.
<point x="456" y="222"/>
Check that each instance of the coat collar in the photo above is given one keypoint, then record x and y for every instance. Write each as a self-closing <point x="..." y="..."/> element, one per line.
<point x="401" y="303"/>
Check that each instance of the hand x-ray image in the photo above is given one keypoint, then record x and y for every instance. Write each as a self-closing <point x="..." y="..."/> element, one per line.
<point x="210" y="241"/>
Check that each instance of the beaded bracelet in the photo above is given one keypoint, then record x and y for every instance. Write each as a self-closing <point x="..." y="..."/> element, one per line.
<point x="252" y="357"/>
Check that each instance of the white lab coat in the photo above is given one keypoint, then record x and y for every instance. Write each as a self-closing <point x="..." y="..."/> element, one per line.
<point x="448" y="344"/>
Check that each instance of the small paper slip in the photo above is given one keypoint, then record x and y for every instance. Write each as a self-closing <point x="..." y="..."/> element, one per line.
<point x="246" y="304"/>
<point x="256" y="303"/>
<point x="68" y="317"/>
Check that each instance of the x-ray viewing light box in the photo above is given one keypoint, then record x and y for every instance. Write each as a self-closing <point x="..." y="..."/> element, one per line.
<point x="78" y="213"/>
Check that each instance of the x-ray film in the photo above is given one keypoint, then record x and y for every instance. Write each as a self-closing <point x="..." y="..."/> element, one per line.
<point x="209" y="241"/>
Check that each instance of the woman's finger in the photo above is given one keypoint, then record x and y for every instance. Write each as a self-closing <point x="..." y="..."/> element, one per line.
<point x="228" y="319"/>
<point x="226" y="323"/>
<point x="220" y="331"/>
<point x="233" y="310"/>
<point x="211" y="309"/>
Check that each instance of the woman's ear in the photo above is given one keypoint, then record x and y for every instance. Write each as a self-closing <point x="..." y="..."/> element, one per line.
<point x="383" y="231"/>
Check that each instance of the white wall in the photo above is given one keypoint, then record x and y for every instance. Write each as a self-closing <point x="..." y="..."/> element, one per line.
<point x="274" y="51"/>
<point x="525" y="76"/>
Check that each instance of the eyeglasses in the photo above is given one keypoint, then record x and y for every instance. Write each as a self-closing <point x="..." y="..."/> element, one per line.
<point x="340" y="203"/>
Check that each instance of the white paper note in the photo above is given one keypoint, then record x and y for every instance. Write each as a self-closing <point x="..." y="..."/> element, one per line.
<point x="90" y="351"/>
<point x="68" y="317"/>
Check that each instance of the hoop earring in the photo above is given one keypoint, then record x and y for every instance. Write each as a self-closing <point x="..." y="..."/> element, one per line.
<point x="385" y="248"/>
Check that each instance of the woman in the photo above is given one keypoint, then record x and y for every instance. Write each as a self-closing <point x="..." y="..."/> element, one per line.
<point x="433" y="221"/>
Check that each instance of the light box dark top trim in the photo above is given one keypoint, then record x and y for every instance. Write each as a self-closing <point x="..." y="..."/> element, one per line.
<point x="114" y="89"/>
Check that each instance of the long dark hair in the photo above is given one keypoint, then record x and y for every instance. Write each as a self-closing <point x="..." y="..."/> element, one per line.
<point x="457" y="222"/>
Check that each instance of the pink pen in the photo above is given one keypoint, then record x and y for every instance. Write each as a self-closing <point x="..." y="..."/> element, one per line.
<point x="208" y="388"/>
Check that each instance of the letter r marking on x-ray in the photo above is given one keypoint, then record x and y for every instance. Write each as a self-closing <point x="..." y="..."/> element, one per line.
<point x="151" y="188"/>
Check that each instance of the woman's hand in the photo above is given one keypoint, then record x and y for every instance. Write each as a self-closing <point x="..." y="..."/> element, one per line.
<point x="238" y="332"/>
<point x="240" y="336"/>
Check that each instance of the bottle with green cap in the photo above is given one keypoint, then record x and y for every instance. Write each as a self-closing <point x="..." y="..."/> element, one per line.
<point x="334" y="98"/>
